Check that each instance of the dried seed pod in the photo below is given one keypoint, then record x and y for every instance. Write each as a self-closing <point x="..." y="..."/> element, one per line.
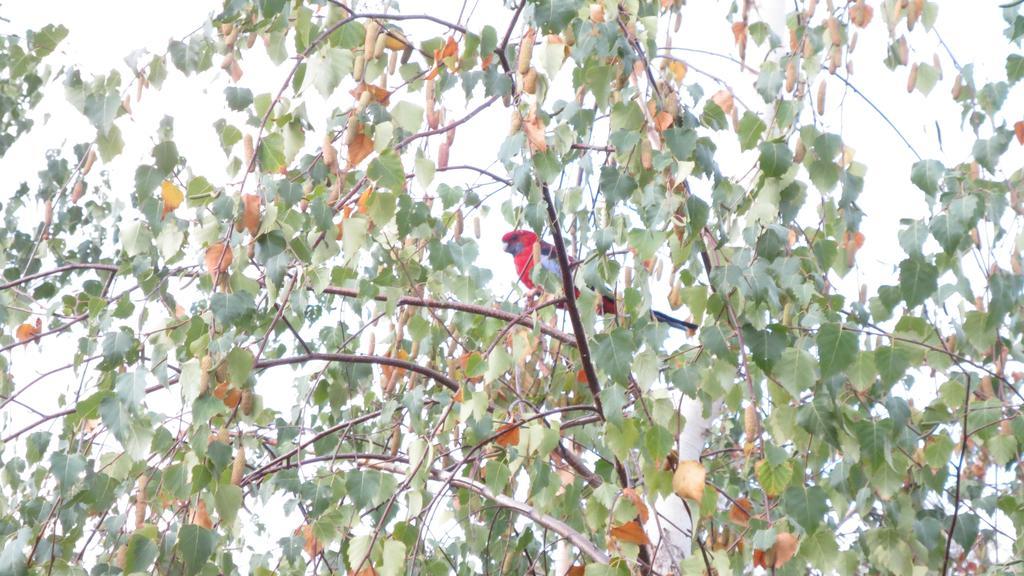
<point x="914" y="10"/>
<point x="937" y="64"/>
<point x="121" y="558"/>
<point x="821" y="97"/>
<point x="526" y="51"/>
<point x="678" y="22"/>
<point x="794" y="43"/>
<point x="811" y="6"/>
<point x="530" y="81"/>
<point x="231" y="37"/>
<point x="372" y="30"/>
<point x="357" y="68"/>
<point x="250" y="40"/>
<point x="249" y="151"/>
<point x="835" y="59"/>
<point x="517" y="123"/>
<point x="379" y="45"/>
<point x="457" y="231"/>
<point x="238" y="465"/>
<point x="791" y="74"/>
<point x="834" y="34"/>
<point x="78" y="191"/>
<point x="476" y="227"/>
<point x="392" y="63"/>
<point x="47" y="213"/>
<point x="628" y="277"/>
<point x="90" y="159"/>
<point x="364" y="100"/>
<point x="958" y="86"/>
<point x="225" y="64"/>
<point x="902" y="51"/>
<point x="750" y="422"/>
<point x="442" y="156"/>
<point x="247" y="398"/>
<point x="912" y="79"/>
<point x="140" y="500"/>
<point x="372" y="346"/>
<point x="329" y="153"/>
<point x="853" y="43"/>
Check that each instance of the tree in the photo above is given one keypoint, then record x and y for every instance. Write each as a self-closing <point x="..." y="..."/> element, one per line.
<point x="311" y="361"/>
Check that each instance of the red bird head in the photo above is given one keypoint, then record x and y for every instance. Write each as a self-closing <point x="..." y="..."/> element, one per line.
<point x="518" y="240"/>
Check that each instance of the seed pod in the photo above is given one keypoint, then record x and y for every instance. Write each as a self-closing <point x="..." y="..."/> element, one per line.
<point x="476" y="227"/>
<point x="791" y="75"/>
<point x="364" y="100"/>
<point x="357" y="68"/>
<point x="141" y="501"/>
<point x="392" y="63"/>
<point x="247" y="396"/>
<point x="121" y="558"/>
<point x="231" y="37"/>
<point x="372" y="347"/>
<point x="517" y="123"/>
<point x="249" y="151"/>
<point x="675" y="299"/>
<point x="750" y="424"/>
<point x="975" y="238"/>
<point x="457" y="231"/>
<point x="914" y="12"/>
<point x="442" y="156"/>
<point x="535" y="255"/>
<point x="526" y="50"/>
<point x="449" y="135"/>
<point x="811" y="5"/>
<point x="250" y="40"/>
<point x="250" y="250"/>
<point x="912" y="78"/>
<point x="835" y="58"/>
<point x="530" y="81"/>
<point x="902" y="50"/>
<point x="238" y="465"/>
<point x="853" y="43"/>
<point x="379" y="45"/>
<point x="821" y="98"/>
<point x="372" y="30"/>
<point x="78" y="191"/>
<point x="958" y="86"/>
<point x="793" y="41"/>
<point x="329" y="153"/>
<point x="596" y="12"/>
<point x="628" y="281"/>
<point x="90" y="159"/>
<point x="833" y="31"/>
<point x="406" y="54"/>
<point x="47" y="213"/>
<point x="229" y="58"/>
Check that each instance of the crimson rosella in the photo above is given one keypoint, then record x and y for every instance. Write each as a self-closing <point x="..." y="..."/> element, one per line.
<point x="520" y="243"/>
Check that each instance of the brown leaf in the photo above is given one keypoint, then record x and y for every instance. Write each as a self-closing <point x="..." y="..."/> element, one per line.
<point x="218" y="259"/>
<point x="739" y="512"/>
<point x="631" y="532"/>
<point x="784" y="548"/>
<point x="534" y="128"/>
<point x="1018" y="129"/>
<point x="172" y="197"/>
<point x="739" y="32"/>
<point x="451" y="48"/>
<point x="724" y="99"/>
<point x="508" y="435"/>
<point x="359" y="149"/>
<point x="312" y="547"/>
<point x="678" y="69"/>
<point x="663" y="121"/>
<point x="861" y="14"/>
<point x="364" y="199"/>
<point x="232" y="398"/>
<point x="576" y="570"/>
<point x="251" y="213"/>
<point x="638" y="503"/>
<point x="377" y="94"/>
<point x="201" y="517"/>
<point x="28" y="331"/>
<point x="688" y="480"/>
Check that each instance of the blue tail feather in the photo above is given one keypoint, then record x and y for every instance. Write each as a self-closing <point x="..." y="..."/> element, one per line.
<point x="673" y="322"/>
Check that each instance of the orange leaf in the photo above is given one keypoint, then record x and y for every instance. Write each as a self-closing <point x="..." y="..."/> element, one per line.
<point x="631" y="532"/>
<point x="451" y="48"/>
<point x="861" y="14"/>
<point x="508" y="435"/>
<point x="218" y="259"/>
<point x="638" y="503"/>
<point x="1018" y="129"/>
<point x="458" y="396"/>
<point x="688" y="480"/>
<point x="739" y="31"/>
<point x="221" y="390"/>
<point x="377" y="94"/>
<point x="27" y="331"/>
<point x="662" y="121"/>
<point x="251" y="213"/>
<point x="678" y="70"/>
<point x="172" y="197"/>
<point x="534" y="128"/>
<point x="312" y="547"/>
<point x="760" y="559"/>
<point x="724" y="100"/>
<point x="485" y="63"/>
<point x="201" y="517"/>
<point x="739" y="512"/>
<point x="359" y="149"/>
<point x="576" y="570"/>
<point x="364" y="198"/>
<point x="368" y="571"/>
<point x="581" y="376"/>
<point x="232" y="398"/>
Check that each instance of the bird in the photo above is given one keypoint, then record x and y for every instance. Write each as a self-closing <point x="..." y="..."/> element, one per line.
<point x="520" y="244"/>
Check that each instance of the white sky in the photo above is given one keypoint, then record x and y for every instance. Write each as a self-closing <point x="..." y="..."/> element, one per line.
<point x="103" y="33"/>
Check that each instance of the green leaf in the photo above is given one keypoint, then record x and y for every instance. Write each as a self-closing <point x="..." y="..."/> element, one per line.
<point x="46" y="39"/>
<point x="837" y="349"/>
<point x="807" y="506"/>
<point x="775" y="158"/>
<point x="408" y="116"/>
<point x="925" y="174"/>
<point x="394" y="558"/>
<point x="270" y="154"/>
<point x="195" y="545"/>
<point x="750" y="130"/>
<point x="238" y="98"/>
<point x="613" y="353"/>
<point x="918" y="280"/>
<point x="228" y="500"/>
<point x="386" y="170"/>
<point x="142" y="551"/>
<point x="1014" y="68"/>
<point x="795" y="371"/>
<point x="240" y="362"/>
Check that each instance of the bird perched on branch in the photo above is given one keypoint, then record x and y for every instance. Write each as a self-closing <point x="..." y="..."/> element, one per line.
<point x="522" y="245"/>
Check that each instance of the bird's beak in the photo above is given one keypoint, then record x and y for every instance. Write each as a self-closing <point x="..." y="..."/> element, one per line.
<point x="509" y="248"/>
